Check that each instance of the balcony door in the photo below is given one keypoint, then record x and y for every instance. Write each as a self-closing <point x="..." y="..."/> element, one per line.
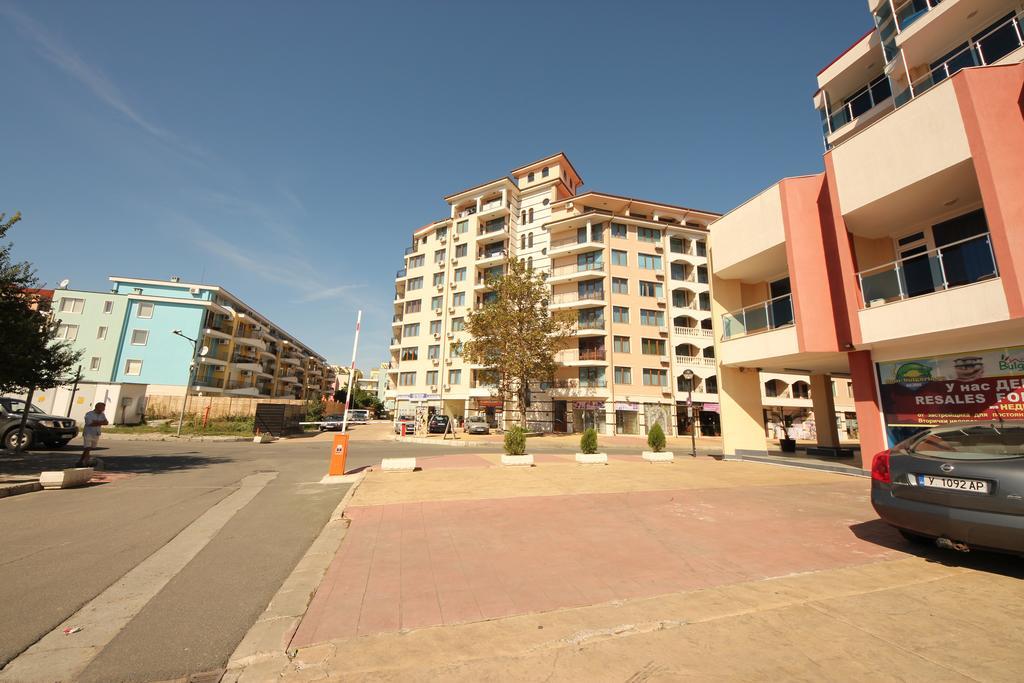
<point x="782" y="305"/>
<point x="921" y="273"/>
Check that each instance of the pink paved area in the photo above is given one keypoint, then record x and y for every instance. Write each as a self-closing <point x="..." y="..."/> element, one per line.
<point x="413" y="565"/>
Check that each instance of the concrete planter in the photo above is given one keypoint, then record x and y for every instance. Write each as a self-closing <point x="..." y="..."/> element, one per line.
<point x="592" y="458"/>
<point x="517" y="460"/>
<point x="398" y="465"/>
<point x="263" y="438"/>
<point x="66" y="479"/>
<point x="664" y="456"/>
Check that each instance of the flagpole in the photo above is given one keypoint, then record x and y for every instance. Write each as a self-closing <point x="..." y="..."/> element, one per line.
<point x="351" y="373"/>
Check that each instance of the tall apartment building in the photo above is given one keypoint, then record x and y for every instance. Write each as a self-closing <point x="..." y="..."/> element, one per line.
<point x="126" y="336"/>
<point x="633" y="272"/>
<point x="897" y="265"/>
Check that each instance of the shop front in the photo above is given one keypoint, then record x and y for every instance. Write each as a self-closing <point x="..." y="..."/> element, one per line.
<point x="490" y="408"/>
<point x="627" y="418"/>
<point x="587" y="414"/>
<point x="957" y="388"/>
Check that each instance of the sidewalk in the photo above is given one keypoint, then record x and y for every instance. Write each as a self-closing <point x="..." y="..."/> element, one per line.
<point x="467" y="570"/>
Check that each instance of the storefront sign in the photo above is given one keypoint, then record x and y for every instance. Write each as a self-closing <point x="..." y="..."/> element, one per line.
<point x="417" y="397"/>
<point x="588" y="405"/>
<point x="630" y="407"/>
<point x="961" y="387"/>
<point x="711" y="408"/>
<point x="489" y="403"/>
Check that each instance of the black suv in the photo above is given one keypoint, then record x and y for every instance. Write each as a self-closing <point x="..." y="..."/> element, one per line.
<point x="40" y="428"/>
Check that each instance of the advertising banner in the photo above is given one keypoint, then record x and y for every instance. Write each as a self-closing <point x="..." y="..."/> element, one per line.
<point x="963" y="387"/>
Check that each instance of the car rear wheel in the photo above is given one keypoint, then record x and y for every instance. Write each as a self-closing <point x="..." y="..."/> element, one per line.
<point x="916" y="538"/>
<point x="11" y="439"/>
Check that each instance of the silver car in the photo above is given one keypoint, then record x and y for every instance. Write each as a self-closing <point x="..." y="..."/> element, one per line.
<point x="477" y="424"/>
<point x="959" y="486"/>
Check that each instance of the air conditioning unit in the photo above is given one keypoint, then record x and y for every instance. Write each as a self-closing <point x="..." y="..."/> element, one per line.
<point x="455" y="237"/>
<point x="245" y="373"/>
<point x="658" y="248"/>
<point x="433" y="387"/>
<point x="451" y="309"/>
<point x="437" y="311"/>
<point x="435" y="361"/>
<point x="451" y="335"/>
<point x="447" y="387"/>
<point x="443" y="240"/>
<point x="193" y="290"/>
<point x="455" y="261"/>
<point x="660" y="276"/>
<point x="452" y="284"/>
<point x="437" y="335"/>
<point x="440" y="288"/>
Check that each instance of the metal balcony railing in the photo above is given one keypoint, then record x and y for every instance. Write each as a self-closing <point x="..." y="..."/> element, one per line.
<point x="572" y="355"/>
<point x="953" y="265"/>
<point x="490" y="227"/>
<point x="590" y="324"/>
<point x="573" y="297"/>
<point x="576" y="268"/>
<point x="400" y="273"/>
<point x="767" y="315"/>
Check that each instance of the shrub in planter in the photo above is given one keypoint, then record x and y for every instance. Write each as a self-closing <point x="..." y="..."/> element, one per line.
<point x="588" y="442"/>
<point x="656" y="438"/>
<point x="515" y="441"/>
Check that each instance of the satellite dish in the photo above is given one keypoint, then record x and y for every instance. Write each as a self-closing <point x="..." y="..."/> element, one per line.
<point x="203" y="351"/>
<point x="64" y="283"/>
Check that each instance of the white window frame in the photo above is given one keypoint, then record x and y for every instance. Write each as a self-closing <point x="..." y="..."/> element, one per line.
<point x="145" y="305"/>
<point x="101" y="332"/>
<point x="108" y="306"/>
<point x="128" y="367"/>
<point x="73" y="303"/>
<point x="67" y="332"/>
<point x="94" y="363"/>
<point x="145" y="339"/>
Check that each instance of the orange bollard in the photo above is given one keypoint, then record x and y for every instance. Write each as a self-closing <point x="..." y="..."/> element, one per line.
<point x="339" y="453"/>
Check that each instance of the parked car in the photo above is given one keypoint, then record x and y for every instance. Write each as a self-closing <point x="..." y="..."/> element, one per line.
<point x="409" y="422"/>
<point x="959" y="486"/>
<point x="477" y="424"/>
<point x="331" y="423"/>
<point x="40" y="429"/>
<point x="438" y="424"/>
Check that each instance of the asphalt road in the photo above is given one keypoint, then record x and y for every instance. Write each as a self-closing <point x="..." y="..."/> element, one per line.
<point x="61" y="549"/>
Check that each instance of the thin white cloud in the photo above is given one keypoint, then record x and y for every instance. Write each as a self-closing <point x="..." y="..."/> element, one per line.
<point x="61" y="55"/>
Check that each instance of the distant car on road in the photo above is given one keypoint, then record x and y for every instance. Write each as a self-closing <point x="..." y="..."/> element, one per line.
<point x="40" y="429"/>
<point x="959" y="486"/>
<point x="410" y="425"/>
<point x="331" y="423"/>
<point x="477" y="424"/>
<point x="438" y="424"/>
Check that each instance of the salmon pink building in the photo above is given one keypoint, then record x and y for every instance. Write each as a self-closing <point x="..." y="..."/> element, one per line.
<point x="901" y="265"/>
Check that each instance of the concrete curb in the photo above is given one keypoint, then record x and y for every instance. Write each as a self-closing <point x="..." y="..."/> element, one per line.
<point x="20" y="488"/>
<point x="113" y="436"/>
<point x="457" y="443"/>
<point x="263" y="652"/>
<point x="821" y="467"/>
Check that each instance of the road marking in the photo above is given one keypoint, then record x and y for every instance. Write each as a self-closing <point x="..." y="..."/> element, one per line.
<point x="60" y="657"/>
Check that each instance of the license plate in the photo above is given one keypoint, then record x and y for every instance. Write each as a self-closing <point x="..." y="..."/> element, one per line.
<point x="953" y="483"/>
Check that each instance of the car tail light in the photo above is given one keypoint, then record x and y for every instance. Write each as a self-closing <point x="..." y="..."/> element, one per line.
<point x="880" y="467"/>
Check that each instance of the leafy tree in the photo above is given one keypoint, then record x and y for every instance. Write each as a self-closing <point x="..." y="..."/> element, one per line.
<point x="516" y="337"/>
<point x="314" y="410"/>
<point x="30" y="356"/>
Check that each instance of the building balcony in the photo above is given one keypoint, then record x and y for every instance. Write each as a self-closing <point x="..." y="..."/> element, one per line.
<point x="570" y="300"/>
<point x="289" y="379"/>
<point x="581" y="357"/>
<point x="492" y="209"/>
<point x="400" y="275"/>
<point x="758" y="334"/>
<point x="254" y="342"/>
<point x="749" y="242"/>
<point x="707" y="336"/>
<point x="574" y="272"/>
<point x="575" y="388"/>
<point x="572" y="245"/>
<point x="695" y="361"/>
<point x="492" y="231"/>
<point x="217" y="332"/>
<point x="590" y="328"/>
<point x="761" y="317"/>
<point x="485" y="260"/>
<point x="288" y="360"/>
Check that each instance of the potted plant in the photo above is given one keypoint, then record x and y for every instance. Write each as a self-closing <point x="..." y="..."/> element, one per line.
<point x="515" y="448"/>
<point x="787" y="444"/>
<point x="588" y="446"/>
<point x="656" y="440"/>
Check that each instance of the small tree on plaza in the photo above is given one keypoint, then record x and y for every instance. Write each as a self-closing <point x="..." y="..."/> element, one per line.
<point x="516" y="337"/>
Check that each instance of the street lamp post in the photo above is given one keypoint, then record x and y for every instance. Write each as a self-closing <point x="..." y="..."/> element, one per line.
<point x="191" y="370"/>
<point x="688" y="376"/>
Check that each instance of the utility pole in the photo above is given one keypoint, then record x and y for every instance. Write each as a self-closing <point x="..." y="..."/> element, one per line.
<point x="74" y="390"/>
<point x="188" y="385"/>
<point x="688" y="376"/>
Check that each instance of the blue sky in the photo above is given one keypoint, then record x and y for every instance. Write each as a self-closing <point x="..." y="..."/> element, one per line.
<point x="287" y="150"/>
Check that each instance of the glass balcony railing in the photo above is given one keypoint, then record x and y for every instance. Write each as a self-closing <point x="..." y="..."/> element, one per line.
<point x="577" y="239"/>
<point x="410" y="250"/>
<point x="767" y="315"/>
<point x="953" y="265"/>
<point x="400" y="273"/>
<point x="577" y="268"/>
<point x="489" y="227"/>
<point x="573" y="297"/>
<point x="590" y="324"/>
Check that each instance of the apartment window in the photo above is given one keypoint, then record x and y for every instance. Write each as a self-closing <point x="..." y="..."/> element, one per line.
<point x="619" y="230"/>
<point x="620" y="344"/>
<point x="458" y="324"/>
<point x="433" y="351"/>
<point x="108" y="306"/>
<point x="461" y="250"/>
<point x="675" y="245"/>
<point x="436" y="302"/>
<point x="460" y="274"/>
<point x="455" y="350"/>
<point x="94" y="363"/>
<point x="648" y="234"/>
<point x="101" y="333"/>
<point x="406" y="379"/>
<point x="459" y="299"/>
<point x="411" y="353"/>
<point x="438" y="279"/>
<point x="591" y="319"/>
<point x="619" y="258"/>
<point x="592" y="377"/>
<point x="133" y="367"/>
<point x="620" y="285"/>
<point x="441" y="233"/>
<point x="801" y="390"/>
<point x="529" y="263"/>
<point x="145" y="310"/>
<point x="702" y="248"/>
<point x="413" y="306"/>
<point x="620" y="314"/>
<point x="655" y="378"/>
<point x="522" y="241"/>
<point x="623" y="375"/>
<point x="411" y="330"/>
<point x="140" y="337"/>
<point x="67" y="332"/>
<point x="522" y="219"/>
<point x="530" y="214"/>
<point x="439" y="256"/>
<point x="705" y="301"/>
<point x="462" y="227"/>
<point x="69" y="305"/>
<point x="652" y="347"/>
<point x="529" y="240"/>
<point x="544" y="172"/>
<point x="652" y="318"/>
<point x="414" y="283"/>
<point x="649" y="261"/>
<point x="435" y="327"/>
<point x="529" y="177"/>
<point x="455" y="377"/>
<point x="432" y="377"/>
<point x="417" y="261"/>
<point x="651" y="289"/>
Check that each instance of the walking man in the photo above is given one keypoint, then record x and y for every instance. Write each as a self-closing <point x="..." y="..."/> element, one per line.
<point x="94" y="421"/>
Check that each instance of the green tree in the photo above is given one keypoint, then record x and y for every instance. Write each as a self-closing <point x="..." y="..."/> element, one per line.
<point x="516" y="337"/>
<point x="30" y="355"/>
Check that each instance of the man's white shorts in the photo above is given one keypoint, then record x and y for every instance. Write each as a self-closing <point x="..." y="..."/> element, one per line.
<point x="91" y="441"/>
